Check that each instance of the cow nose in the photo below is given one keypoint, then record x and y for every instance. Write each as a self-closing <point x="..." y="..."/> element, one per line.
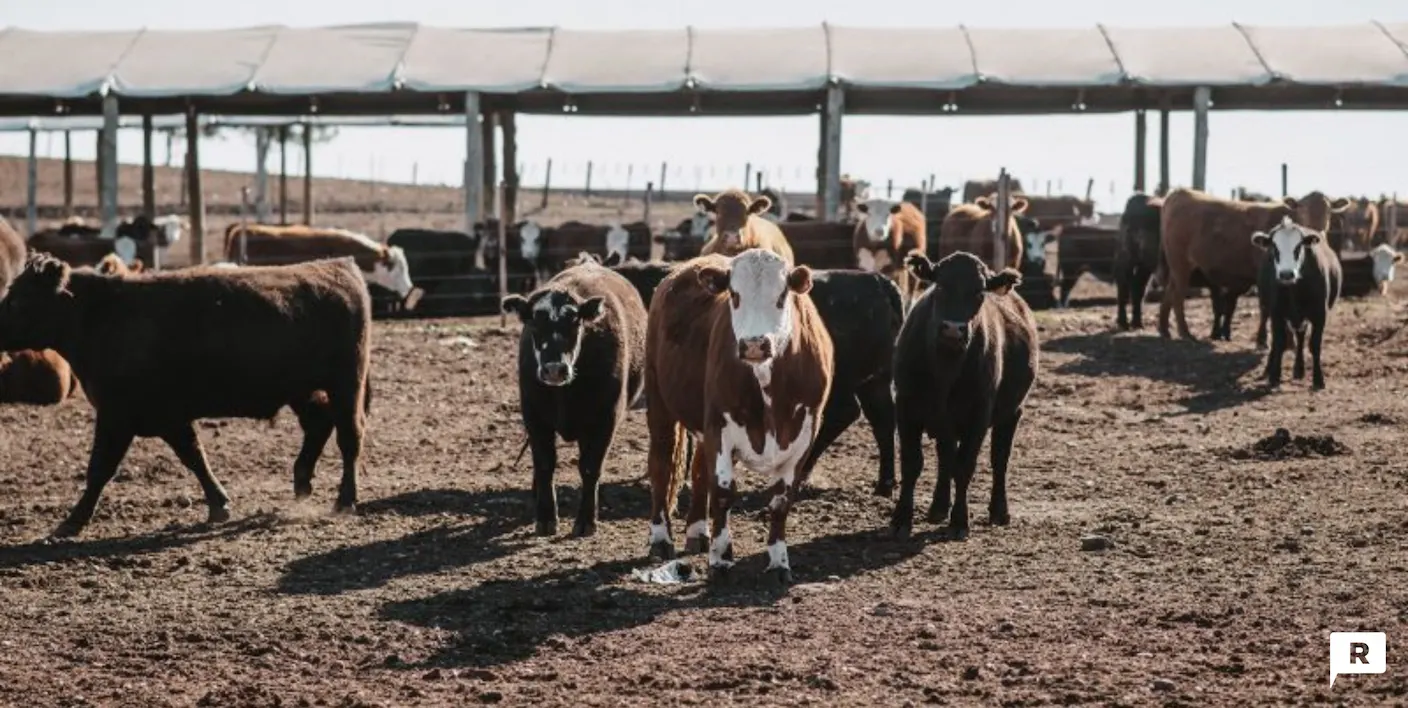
<point x="954" y="330"/>
<point x="553" y="373"/>
<point x="1286" y="276"/>
<point x="755" y="349"/>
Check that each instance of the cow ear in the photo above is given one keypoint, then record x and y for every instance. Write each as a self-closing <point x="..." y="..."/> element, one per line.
<point x="800" y="280"/>
<point x="1290" y="202"/>
<point x="1019" y="205"/>
<point x="50" y="273"/>
<point x="715" y="280"/>
<point x="1261" y="239"/>
<point x="1050" y="236"/>
<point x="591" y="309"/>
<point x="612" y="259"/>
<point x="1398" y="258"/>
<point x="920" y="265"/>
<point x="895" y="208"/>
<point x="983" y="202"/>
<point x="516" y="304"/>
<point x="759" y="205"/>
<point x="1311" y="238"/>
<point x="863" y="208"/>
<point x="1002" y="283"/>
<point x="704" y="202"/>
<point x="1340" y="205"/>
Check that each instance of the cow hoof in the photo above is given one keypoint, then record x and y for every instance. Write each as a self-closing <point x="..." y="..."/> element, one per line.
<point x="218" y="516"/>
<point x="900" y="531"/>
<point x="545" y="528"/>
<point x="937" y="514"/>
<point x="776" y="578"/>
<point x="1318" y="386"/>
<point x="345" y="508"/>
<point x="662" y="550"/>
<point x="696" y="544"/>
<point x="67" y="529"/>
<point x="999" y="518"/>
<point x="955" y="533"/>
<point x="884" y="488"/>
<point x="302" y="490"/>
<point x="584" y="529"/>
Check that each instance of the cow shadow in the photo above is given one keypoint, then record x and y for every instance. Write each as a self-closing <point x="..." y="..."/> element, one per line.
<point x="502" y="621"/>
<point x="1212" y="377"/>
<point x="170" y="538"/>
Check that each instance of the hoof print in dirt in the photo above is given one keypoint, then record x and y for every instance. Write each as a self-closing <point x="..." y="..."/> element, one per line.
<point x="1281" y="445"/>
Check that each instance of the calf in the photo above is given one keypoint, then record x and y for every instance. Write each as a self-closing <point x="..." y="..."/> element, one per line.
<point x="40" y="378"/>
<point x="1384" y="258"/>
<point x="1298" y="285"/>
<point x="737" y="356"/>
<point x="969" y="227"/>
<point x="1084" y="249"/>
<point x="737" y="226"/>
<point x="965" y="361"/>
<point x="1137" y="258"/>
<point x="580" y="362"/>
<point x="265" y="244"/>
<point x="232" y="343"/>
<point x="887" y="232"/>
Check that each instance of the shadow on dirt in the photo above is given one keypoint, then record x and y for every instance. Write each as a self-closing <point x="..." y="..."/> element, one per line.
<point x="58" y="551"/>
<point x="503" y="621"/>
<point x="1211" y="377"/>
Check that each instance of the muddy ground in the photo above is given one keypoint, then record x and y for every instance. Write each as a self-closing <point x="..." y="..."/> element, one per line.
<point x="1232" y="558"/>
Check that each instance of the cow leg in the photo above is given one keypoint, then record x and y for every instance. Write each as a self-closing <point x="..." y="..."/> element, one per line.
<point x="1068" y="284"/>
<point x="1261" y="323"/>
<point x="911" y="433"/>
<point x="1298" y="366"/>
<point x="666" y="448"/>
<point x="1278" y="350"/>
<point x="350" y="418"/>
<point x="1317" y="337"/>
<point x="1175" y="292"/>
<point x="316" y="422"/>
<point x="841" y="411"/>
<point x="783" y="495"/>
<point x="591" y="452"/>
<point x="1140" y="286"/>
<point x="1122" y="288"/>
<point x="879" y="409"/>
<point x="701" y="485"/>
<point x="967" y="464"/>
<point x="186" y="445"/>
<point x="110" y="443"/>
<point x="720" y="473"/>
<point x="946" y="450"/>
<point x="1003" y="433"/>
<point x="544" y="444"/>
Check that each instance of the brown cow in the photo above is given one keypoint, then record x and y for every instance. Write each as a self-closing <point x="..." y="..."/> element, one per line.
<point x="737" y="226"/>
<point x="887" y="233"/>
<point x="969" y="227"/>
<point x="41" y="378"/>
<point x="265" y="244"/>
<point x="1356" y="227"/>
<point x="11" y="255"/>
<point x="823" y="245"/>
<point x="975" y="189"/>
<point x="737" y="356"/>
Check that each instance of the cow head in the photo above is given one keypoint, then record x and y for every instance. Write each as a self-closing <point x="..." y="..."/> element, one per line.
<point x="1385" y="258"/>
<point x="1286" y="245"/>
<point x="961" y="284"/>
<point x="759" y="285"/>
<point x="876" y="215"/>
<point x="731" y="210"/>
<point x="530" y="240"/>
<point x="1314" y="209"/>
<point x="391" y="271"/>
<point x="168" y="229"/>
<point x="699" y="225"/>
<point x="552" y="323"/>
<point x="618" y="240"/>
<point x="32" y="312"/>
<point x="1036" y="245"/>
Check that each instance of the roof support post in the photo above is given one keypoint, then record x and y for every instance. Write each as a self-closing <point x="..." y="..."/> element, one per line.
<point x="68" y="174"/>
<point x="1202" y="100"/>
<point x="283" y="175"/>
<point x="1163" y="149"/>
<point x="32" y="188"/>
<point x="262" y="141"/>
<point x="308" y="173"/>
<point x="473" y="162"/>
<point x="107" y="149"/>
<point x="148" y="175"/>
<point x="1141" y="140"/>
<point x="195" y="198"/>
<point x="488" y="121"/>
<point x="510" y="154"/>
<point x="831" y="151"/>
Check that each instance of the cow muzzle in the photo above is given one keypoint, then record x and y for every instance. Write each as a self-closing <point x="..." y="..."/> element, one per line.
<point x="954" y="332"/>
<point x="755" y="350"/>
<point x="555" y="373"/>
<point x="1286" y="277"/>
<point x="731" y="238"/>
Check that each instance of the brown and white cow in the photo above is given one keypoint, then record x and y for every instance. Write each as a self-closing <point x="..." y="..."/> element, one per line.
<point x="737" y="225"/>
<point x="738" y="357"/>
<point x="265" y="244"/>
<point x="1384" y="259"/>
<point x="886" y="233"/>
<point x="969" y="227"/>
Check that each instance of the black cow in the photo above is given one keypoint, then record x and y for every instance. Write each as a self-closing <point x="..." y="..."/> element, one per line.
<point x="444" y="266"/>
<point x="1138" y="256"/>
<point x="1085" y="249"/>
<point x="862" y="312"/>
<point x="965" y="361"/>
<point x="581" y="362"/>
<point x="1298" y="284"/>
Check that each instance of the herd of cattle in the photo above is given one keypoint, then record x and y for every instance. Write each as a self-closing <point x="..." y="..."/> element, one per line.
<point x="760" y="338"/>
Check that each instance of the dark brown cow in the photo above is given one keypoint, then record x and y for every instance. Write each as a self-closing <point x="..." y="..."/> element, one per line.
<point x="1298" y="284"/>
<point x="1084" y="249"/>
<point x="737" y="226"/>
<point x="561" y="243"/>
<point x="230" y="342"/>
<point x="974" y="189"/>
<point x="887" y="232"/>
<point x="1060" y="210"/>
<point x="737" y="356"/>
<point x="1138" y="257"/>
<point x="40" y="378"/>
<point x="1355" y="228"/>
<point x="969" y="227"/>
<point x="265" y="244"/>
<point x="821" y="244"/>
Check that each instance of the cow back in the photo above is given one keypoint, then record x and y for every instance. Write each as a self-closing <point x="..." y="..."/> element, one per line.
<point x="821" y="244"/>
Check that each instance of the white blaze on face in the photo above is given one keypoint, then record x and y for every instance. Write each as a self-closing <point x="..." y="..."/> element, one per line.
<point x="618" y="239"/>
<point x="699" y="225"/>
<point x="396" y="275"/>
<point x="170" y="226"/>
<point x="877" y="219"/>
<point x="530" y="241"/>
<point x="1286" y="243"/>
<point x="1384" y="258"/>
<point x="760" y="280"/>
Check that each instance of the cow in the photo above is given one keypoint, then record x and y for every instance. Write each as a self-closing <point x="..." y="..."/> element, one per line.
<point x="737" y="356"/>
<point x="862" y="313"/>
<point x="1084" y="249"/>
<point x="821" y="244"/>
<point x="1384" y="258"/>
<point x="446" y="274"/>
<point x="777" y="212"/>
<point x="886" y="233"/>
<point x="934" y="206"/>
<point x="1137" y="258"/>
<point x="12" y="255"/>
<point x="40" y="378"/>
<point x="523" y="258"/>
<point x="969" y="227"/>
<point x="685" y="240"/>
<point x="83" y="251"/>
<point x="112" y="264"/>
<point x="1391" y="210"/>
<point x="232" y="343"/>
<point x="563" y="242"/>
<point x="974" y="189"/>
<point x="1061" y="210"/>
<point x="581" y="355"/>
<point x="853" y="191"/>
<point x="1298" y="284"/>
<point x="736" y="225"/>
<point x="965" y="360"/>
<point x="1354" y="228"/>
<point x="266" y="244"/>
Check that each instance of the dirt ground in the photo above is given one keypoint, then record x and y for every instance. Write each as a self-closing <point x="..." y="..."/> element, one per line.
<point x="1232" y="558"/>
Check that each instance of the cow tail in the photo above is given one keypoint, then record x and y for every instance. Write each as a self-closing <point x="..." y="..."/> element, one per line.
<point x="678" y="463"/>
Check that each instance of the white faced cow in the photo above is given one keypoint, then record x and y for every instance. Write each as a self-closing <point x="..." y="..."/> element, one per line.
<point x="1298" y="284"/>
<point x="1385" y="258"/>
<point x="618" y="240"/>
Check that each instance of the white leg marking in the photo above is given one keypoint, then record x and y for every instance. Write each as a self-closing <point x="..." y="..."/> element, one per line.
<point x="698" y="529"/>
<point x="777" y="501"/>
<point x="721" y="543"/>
<point x="728" y="442"/>
<point x="777" y="556"/>
<point x="659" y="533"/>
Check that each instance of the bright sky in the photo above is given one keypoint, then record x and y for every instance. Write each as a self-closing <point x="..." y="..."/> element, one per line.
<point x="1340" y="153"/>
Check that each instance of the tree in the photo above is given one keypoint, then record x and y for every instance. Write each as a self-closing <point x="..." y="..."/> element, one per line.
<point x="321" y="134"/>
